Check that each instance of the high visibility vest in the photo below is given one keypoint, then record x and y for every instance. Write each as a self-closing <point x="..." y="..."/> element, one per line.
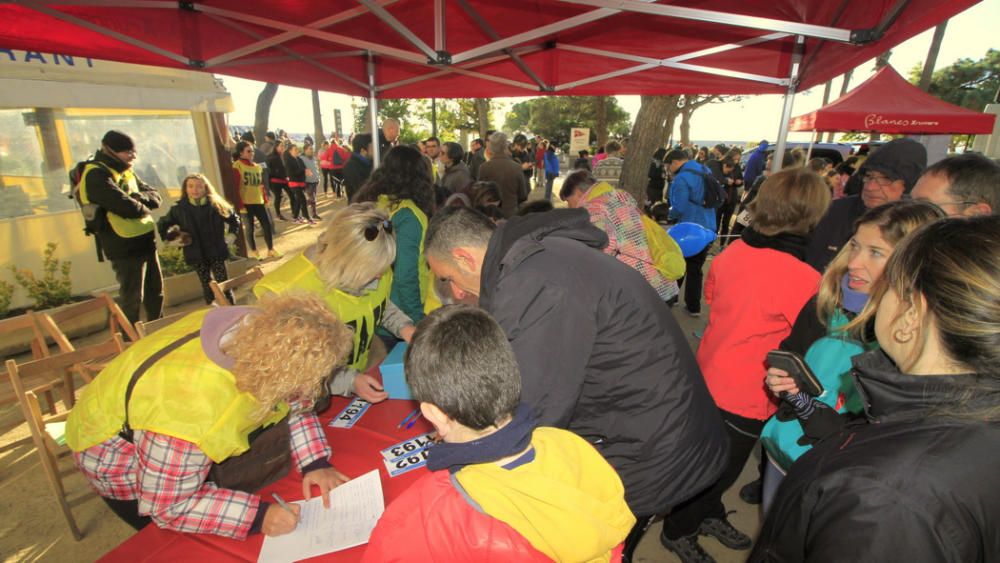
<point x="124" y="228"/>
<point x="184" y="395"/>
<point x="392" y="207"/>
<point x="363" y="313"/>
<point x="251" y="182"/>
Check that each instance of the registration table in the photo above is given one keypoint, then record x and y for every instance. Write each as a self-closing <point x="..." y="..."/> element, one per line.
<point x="356" y="451"/>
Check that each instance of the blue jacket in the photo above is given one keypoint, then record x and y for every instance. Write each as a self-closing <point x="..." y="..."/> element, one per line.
<point x="687" y="191"/>
<point x="755" y="164"/>
<point x="551" y="164"/>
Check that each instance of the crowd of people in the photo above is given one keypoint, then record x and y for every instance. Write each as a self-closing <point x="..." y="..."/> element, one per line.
<point x="570" y="408"/>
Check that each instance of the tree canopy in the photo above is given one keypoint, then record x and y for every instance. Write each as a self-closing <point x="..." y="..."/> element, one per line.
<point x="967" y="83"/>
<point x="553" y="116"/>
<point x="414" y="115"/>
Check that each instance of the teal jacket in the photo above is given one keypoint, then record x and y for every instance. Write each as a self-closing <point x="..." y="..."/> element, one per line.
<point x="830" y="359"/>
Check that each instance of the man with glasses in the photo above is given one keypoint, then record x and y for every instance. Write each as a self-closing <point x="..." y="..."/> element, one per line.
<point x="965" y="185"/>
<point x="888" y="174"/>
<point x="119" y="216"/>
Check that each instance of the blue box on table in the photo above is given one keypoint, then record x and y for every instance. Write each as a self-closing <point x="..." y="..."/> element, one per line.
<point x="393" y="378"/>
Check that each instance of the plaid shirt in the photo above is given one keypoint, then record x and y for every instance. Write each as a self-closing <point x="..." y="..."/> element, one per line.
<point x="167" y="475"/>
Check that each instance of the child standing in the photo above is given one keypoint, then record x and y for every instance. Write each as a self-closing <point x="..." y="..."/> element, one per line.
<point x="199" y="221"/>
<point x="253" y="198"/>
<point x="538" y="494"/>
<point x="312" y="181"/>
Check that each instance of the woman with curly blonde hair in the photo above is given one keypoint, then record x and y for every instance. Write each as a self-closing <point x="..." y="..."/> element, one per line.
<point x="186" y="424"/>
<point x="350" y="268"/>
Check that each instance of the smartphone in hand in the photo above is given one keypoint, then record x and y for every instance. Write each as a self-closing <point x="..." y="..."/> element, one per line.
<point x="797" y="369"/>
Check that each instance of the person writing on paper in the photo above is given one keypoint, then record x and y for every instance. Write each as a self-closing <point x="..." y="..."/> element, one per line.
<point x="182" y="427"/>
<point x="350" y="268"/>
<point x="536" y="493"/>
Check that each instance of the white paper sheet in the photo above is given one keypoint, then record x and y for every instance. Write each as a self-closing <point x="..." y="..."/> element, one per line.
<point x="355" y="508"/>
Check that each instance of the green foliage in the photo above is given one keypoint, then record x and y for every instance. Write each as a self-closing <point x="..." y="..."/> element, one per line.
<point x="967" y="83"/>
<point x="553" y="116"/>
<point x="6" y="296"/>
<point x="55" y="286"/>
<point x="172" y="261"/>
<point x="453" y="115"/>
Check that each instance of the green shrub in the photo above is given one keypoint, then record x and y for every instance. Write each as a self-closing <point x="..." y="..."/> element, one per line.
<point x="54" y="288"/>
<point x="172" y="261"/>
<point x="6" y="295"/>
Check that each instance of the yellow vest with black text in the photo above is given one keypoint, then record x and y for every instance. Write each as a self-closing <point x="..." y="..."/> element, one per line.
<point x="251" y="182"/>
<point x="363" y="313"/>
<point x="392" y="207"/>
<point x="184" y="395"/>
<point x="124" y="228"/>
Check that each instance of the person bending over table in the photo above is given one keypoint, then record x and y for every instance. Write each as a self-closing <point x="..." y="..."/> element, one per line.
<point x="500" y="488"/>
<point x="350" y="268"/>
<point x="185" y="424"/>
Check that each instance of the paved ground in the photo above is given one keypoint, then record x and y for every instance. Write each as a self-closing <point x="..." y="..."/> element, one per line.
<point x="32" y="528"/>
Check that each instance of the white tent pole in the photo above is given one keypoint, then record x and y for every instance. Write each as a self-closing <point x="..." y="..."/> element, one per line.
<point x="786" y="110"/>
<point x="373" y="112"/>
<point x="809" y="151"/>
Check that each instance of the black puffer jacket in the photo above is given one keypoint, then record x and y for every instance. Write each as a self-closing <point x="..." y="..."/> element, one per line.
<point x="601" y="355"/>
<point x="833" y="231"/>
<point x="206" y="227"/>
<point x="912" y="485"/>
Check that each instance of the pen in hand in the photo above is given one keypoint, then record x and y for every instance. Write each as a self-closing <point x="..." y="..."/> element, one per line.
<point x="284" y="505"/>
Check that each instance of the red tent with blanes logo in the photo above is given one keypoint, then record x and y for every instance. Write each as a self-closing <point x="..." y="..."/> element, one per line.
<point x="887" y="103"/>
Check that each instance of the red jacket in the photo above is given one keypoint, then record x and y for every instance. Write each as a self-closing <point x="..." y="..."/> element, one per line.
<point x="327" y="161"/>
<point x="755" y="294"/>
<point x="420" y="525"/>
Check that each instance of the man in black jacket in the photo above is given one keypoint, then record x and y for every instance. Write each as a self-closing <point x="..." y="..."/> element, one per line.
<point x="359" y="166"/>
<point x="599" y="353"/>
<point x="887" y="175"/>
<point x="123" y="224"/>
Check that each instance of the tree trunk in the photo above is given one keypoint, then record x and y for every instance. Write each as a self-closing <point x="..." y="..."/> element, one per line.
<point x="686" y="126"/>
<point x="843" y="90"/>
<point x="318" y="135"/>
<point x="648" y="134"/>
<point x="263" y="111"/>
<point x="483" y="116"/>
<point x="601" y="119"/>
<point x="932" y="55"/>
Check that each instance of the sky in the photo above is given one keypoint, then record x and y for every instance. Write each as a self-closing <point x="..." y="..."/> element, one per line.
<point x="969" y="35"/>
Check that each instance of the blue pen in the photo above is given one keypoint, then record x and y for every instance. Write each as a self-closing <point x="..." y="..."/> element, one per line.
<point x="414" y="420"/>
<point x="408" y="418"/>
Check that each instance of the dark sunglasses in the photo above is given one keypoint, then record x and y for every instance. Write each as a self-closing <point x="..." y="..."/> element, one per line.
<point x="371" y="231"/>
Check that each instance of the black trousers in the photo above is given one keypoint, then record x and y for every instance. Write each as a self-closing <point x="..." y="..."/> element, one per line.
<point x="276" y="191"/>
<point x="298" y="203"/>
<point x="209" y="269"/>
<point x="686" y="517"/>
<point x="140" y="284"/>
<point x="327" y="179"/>
<point x="723" y="217"/>
<point x="693" y="280"/>
<point x="258" y="211"/>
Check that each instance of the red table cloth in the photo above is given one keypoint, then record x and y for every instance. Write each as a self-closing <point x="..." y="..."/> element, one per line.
<point x="355" y="452"/>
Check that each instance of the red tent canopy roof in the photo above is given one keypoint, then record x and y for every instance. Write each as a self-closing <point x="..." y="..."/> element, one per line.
<point x="887" y="103"/>
<point x="484" y="48"/>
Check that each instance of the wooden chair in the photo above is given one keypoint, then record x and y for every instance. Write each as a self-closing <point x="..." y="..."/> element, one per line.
<point x="247" y="279"/>
<point x="28" y="325"/>
<point x="117" y="321"/>
<point x="48" y="432"/>
<point x="145" y="328"/>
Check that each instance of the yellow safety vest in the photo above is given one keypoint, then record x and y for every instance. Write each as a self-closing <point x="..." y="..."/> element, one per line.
<point x="184" y="395"/>
<point x="363" y="313"/>
<point x="392" y="207"/>
<point x="124" y="228"/>
<point x="251" y="182"/>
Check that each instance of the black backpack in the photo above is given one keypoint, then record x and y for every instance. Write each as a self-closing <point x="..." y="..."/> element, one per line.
<point x="714" y="193"/>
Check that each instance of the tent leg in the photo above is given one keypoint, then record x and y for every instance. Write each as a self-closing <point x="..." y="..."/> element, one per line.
<point x="786" y="110"/>
<point x="809" y="151"/>
<point x="373" y="112"/>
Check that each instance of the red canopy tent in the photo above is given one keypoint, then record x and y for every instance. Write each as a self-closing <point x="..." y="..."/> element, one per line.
<point x="887" y="103"/>
<point x="487" y="48"/>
